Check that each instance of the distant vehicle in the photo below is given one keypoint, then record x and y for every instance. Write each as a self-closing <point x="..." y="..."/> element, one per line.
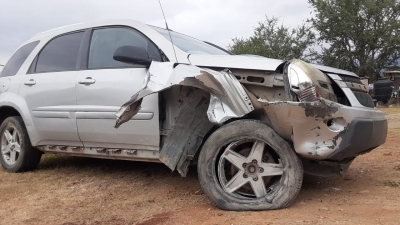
<point x="383" y="92"/>
<point x="253" y="125"/>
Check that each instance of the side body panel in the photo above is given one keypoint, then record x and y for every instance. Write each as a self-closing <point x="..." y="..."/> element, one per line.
<point x="98" y="103"/>
<point x="51" y="101"/>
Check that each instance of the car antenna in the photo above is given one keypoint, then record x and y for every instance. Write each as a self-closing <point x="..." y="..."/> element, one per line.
<point x="169" y="32"/>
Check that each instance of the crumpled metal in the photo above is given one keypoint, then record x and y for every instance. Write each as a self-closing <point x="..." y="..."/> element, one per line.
<point x="228" y="99"/>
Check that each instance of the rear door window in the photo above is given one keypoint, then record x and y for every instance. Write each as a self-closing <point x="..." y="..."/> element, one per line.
<point x="60" y="54"/>
<point x="16" y="61"/>
<point x="105" y="41"/>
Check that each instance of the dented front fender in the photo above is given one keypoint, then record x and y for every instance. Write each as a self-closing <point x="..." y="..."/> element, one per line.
<point x="228" y="97"/>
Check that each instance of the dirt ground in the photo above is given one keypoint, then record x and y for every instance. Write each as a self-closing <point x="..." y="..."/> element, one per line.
<point x="67" y="190"/>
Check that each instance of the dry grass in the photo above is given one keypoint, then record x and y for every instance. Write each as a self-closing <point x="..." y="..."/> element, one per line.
<point x="390" y="110"/>
<point x="392" y="183"/>
<point x="393" y="115"/>
<point x="68" y="190"/>
<point x="83" y="190"/>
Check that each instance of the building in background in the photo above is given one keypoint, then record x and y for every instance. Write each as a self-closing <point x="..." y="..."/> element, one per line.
<point x="365" y="81"/>
<point x="395" y="77"/>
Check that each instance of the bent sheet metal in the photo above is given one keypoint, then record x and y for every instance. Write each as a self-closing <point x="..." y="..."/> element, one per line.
<point x="228" y="99"/>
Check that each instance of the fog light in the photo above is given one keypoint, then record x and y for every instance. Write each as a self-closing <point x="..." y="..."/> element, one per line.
<point x="336" y="124"/>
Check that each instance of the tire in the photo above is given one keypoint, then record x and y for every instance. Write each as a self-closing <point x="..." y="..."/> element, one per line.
<point x="17" y="153"/>
<point x="238" y="144"/>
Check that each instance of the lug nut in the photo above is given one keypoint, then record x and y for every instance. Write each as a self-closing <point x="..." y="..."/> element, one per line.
<point x="245" y="175"/>
<point x="261" y="170"/>
<point x="254" y="161"/>
<point x="255" y="178"/>
<point x="244" y="165"/>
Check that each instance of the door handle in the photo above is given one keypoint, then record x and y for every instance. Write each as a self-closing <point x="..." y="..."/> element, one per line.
<point x="30" y="82"/>
<point x="87" y="80"/>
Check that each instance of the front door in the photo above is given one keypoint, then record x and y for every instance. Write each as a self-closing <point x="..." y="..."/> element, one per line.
<point x="105" y="84"/>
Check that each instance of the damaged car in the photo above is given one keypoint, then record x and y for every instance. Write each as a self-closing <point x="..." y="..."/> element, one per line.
<point x="252" y="125"/>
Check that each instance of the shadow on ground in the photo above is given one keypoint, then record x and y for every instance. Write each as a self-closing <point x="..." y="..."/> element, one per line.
<point x="156" y="170"/>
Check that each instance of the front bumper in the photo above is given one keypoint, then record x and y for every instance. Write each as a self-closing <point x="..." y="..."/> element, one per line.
<point x="361" y="136"/>
<point x="328" y="130"/>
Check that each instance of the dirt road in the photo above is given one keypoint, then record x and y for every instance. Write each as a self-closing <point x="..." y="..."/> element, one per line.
<point x="68" y="190"/>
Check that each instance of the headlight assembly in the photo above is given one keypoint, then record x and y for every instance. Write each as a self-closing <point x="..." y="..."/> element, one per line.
<point x="300" y="83"/>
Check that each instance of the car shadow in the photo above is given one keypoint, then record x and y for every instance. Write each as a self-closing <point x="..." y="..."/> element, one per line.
<point x="93" y="167"/>
<point x="85" y="164"/>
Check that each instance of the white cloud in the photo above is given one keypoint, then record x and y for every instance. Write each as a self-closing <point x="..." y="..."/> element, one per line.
<point x="217" y="21"/>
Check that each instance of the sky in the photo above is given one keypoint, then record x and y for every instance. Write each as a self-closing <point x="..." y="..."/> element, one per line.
<point x="216" y="21"/>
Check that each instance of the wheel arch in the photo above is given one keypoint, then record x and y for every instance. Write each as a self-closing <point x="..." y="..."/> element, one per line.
<point x="17" y="108"/>
<point x="206" y="131"/>
<point x="24" y="158"/>
<point x="7" y="111"/>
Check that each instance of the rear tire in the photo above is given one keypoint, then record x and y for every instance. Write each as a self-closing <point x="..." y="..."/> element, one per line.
<point x="246" y="165"/>
<point x="16" y="151"/>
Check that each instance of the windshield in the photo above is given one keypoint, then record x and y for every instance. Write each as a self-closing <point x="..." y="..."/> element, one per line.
<point x="191" y="45"/>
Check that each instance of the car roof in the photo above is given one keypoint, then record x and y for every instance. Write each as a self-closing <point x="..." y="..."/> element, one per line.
<point x="145" y="29"/>
<point x="85" y="25"/>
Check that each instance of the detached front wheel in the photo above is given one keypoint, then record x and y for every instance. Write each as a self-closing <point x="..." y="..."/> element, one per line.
<point x="246" y="165"/>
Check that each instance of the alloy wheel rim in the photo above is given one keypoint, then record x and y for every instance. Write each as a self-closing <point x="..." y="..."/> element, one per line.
<point x="10" y="145"/>
<point x="253" y="170"/>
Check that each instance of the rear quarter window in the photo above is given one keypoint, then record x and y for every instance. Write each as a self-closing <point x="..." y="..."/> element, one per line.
<point x="16" y="61"/>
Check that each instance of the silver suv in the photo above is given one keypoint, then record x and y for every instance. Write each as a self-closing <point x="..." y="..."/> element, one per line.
<point x="252" y="125"/>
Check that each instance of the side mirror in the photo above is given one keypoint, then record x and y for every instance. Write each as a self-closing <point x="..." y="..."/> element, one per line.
<point x="132" y="54"/>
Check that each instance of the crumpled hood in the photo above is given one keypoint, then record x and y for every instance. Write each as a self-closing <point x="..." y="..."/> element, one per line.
<point x="252" y="63"/>
<point x="328" y="70"/>
<point x="235" y="61"/>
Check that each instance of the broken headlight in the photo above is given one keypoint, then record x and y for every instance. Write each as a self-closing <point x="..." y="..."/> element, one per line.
<point x="300" y="82"/>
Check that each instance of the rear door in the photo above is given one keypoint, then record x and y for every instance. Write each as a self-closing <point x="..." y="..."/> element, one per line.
<point x="103" y="85"/>
<point x="49" y="91"/>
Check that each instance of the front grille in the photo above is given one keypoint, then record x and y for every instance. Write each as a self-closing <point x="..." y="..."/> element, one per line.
<point x="359" y="91"/>
<point x="364" y="99"/>
<point x="351" y="79"/>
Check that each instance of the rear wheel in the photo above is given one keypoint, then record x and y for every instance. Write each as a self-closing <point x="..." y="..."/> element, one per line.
<point x="17" y="153"/>
<point x="246" y="165"/>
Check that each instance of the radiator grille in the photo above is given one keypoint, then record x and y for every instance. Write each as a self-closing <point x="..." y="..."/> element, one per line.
<point x="351" y="79"/>
<point x="364" y="99"/>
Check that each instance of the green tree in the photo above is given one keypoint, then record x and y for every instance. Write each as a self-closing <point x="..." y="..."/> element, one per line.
<point x="276" y="41"/>
<point x="362" y="36"/>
